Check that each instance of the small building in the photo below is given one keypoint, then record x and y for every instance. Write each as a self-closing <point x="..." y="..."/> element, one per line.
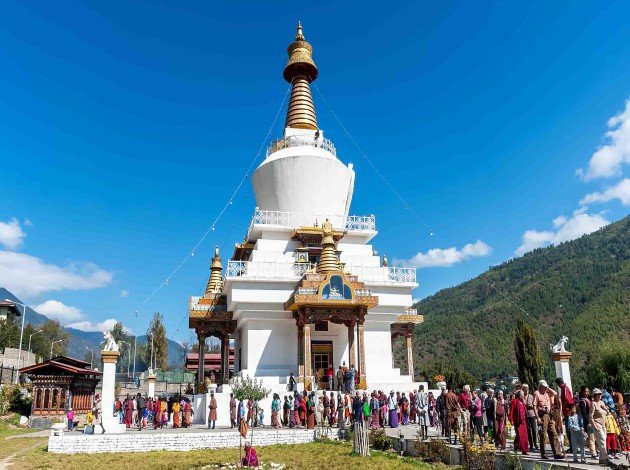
<point x="211" y="363"/>
<point x="60" y="383"/>
<point x="8" y="308"/>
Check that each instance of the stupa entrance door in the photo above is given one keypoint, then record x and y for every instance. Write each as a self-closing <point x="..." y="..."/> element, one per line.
<point x="322" y="354"/>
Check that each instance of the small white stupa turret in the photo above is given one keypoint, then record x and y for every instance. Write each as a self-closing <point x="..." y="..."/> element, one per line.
<point x="301" y="172"/>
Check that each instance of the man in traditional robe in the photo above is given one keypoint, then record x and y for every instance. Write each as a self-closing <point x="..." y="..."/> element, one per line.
<point x="566" y="400"/>
<point x="310" y="412"/>
<point x="453" y="410"/>
<point x="326" y="404"/>
<point x="422" y="403"/>
<point x="333" y="410"/>
<point x="212" y="415"/>
<point x="233" y="411"/>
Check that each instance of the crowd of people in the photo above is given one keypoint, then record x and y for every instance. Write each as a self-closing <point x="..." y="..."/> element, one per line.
<point x="157" y="412"/>
<point x="596" y="421"/>
<point x="589" y="422"/>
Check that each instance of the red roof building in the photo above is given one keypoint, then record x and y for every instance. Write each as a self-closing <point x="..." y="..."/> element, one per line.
<point x="61" y="383"/>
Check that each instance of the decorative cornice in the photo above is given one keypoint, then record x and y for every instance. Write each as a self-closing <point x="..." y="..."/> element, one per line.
<point x="563" y="356"/>
<point x="110" y="357"/>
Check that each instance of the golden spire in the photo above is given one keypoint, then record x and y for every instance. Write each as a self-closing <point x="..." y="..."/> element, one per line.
<point x="328" y="260"/>
<point x="215" y="283"/>
<point x="300" y="71"/>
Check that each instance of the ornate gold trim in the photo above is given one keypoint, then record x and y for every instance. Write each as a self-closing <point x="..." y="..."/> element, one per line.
<point x="563" y="356"/>
<point x="110" y="357"/>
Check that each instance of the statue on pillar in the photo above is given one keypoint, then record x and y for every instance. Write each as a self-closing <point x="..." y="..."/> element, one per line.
<point x="110" y="343"/>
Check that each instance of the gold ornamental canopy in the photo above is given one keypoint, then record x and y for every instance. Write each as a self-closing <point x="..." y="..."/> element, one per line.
<point x="300" y="59"/>
<point x="299" y="72"/>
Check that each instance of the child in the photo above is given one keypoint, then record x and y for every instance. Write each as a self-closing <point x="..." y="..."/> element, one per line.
<point x="261" y="417"/>
<point x="612" y="429"/>
<point x="576" y="426"/>
<point x="70" y="416"/>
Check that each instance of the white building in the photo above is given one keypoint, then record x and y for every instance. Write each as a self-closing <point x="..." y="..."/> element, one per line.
<point x="299" y="293"/>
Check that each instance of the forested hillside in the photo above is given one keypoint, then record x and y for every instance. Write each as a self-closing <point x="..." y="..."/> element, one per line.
<point x="580" y="289"/>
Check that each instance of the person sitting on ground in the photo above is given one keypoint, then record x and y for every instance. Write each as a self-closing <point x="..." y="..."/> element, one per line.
<point x="251" y="458"/>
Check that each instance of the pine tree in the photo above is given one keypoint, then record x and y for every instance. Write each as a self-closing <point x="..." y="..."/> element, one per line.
<point x="528" y="356"/>
<point x="156" y="331"/>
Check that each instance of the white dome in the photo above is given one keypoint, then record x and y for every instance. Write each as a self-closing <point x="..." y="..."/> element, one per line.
<point x="304" y="179"/>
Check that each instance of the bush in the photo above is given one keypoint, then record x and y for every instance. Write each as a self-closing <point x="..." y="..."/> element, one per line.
<point x="434" y="450"/>
<point x="477" y="458"/>
<point x="379" y="440"/>
<point x="11" y="400"/>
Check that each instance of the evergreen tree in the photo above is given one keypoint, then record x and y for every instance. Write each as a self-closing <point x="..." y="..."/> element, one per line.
<point x="126" y="349"/>
<point x="156" y="331"/>
<point x="528" y="356"/>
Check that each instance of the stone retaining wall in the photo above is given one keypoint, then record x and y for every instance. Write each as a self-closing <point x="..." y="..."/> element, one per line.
<point x="134" y="441"/>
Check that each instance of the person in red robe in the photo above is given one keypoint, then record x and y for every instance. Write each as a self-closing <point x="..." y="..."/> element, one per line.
<point x="303" y="410"/>
<point x="519" y="420"/>
<point x="128" y="407"/>
<point x="251" y="458"/>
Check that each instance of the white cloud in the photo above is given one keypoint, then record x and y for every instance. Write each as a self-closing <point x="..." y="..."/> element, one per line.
<point x="28" y="223"/>
<point x="57" y="310"/>
<point x="124" y="293"/>
<point x="559" y="221"/>
<point x="619" y="191"/>
<point x="608" y="159"/>
<point x="579" y="224"/>
<point x="438" y="257"/>
<point x="103" y="326"/>
<point x="11" y="234"/>
<point x="26" y="275"/>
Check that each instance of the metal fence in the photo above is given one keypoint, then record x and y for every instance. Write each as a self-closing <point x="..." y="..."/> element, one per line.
<point x="8" y="374"/>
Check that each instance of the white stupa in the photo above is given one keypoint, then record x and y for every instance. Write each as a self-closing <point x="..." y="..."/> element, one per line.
<point x="306" y="290"/>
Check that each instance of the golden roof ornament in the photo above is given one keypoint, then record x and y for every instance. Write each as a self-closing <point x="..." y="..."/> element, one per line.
<point x="215" y="283"/>
<point x="328" y="260"/>
<point x="300" y="71"/>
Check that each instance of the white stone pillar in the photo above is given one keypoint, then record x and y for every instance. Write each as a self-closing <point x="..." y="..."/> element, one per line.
<point x="151" y="381"/>
<point x="561" y="361"/>
<point x="110" y="423"/>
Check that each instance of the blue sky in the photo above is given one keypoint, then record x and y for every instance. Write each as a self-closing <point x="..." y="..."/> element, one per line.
<point x="125" y="126"/>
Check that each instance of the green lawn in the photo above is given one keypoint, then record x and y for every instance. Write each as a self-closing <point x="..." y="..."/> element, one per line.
<point x="312" y="456"/>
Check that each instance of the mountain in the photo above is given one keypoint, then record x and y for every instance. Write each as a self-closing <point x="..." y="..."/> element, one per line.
<point x="90" y="339"/>
<point x="580" y="289"/>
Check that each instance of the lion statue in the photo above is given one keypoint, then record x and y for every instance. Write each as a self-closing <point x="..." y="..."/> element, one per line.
<point x="560" y="345"/>
<point x="110" y="343"/>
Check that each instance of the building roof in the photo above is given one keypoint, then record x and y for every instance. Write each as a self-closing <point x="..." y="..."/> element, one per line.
<point x="12" y="306"/>
<point x="61" y="365"/>
<point x="210" y="361"/>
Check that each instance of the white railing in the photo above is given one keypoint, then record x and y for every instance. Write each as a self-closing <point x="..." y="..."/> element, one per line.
<point x="301" y="141"/>
<point x="383" y="274"/>
<point x="196" y="306"/>
<point x="411" y="311"/>
<point x="303" y="219"/>
<point x="363" y="292"/>
<point x="307" y="290"/>
<point x="279" y="269"/>
<point x="267" y="269"/>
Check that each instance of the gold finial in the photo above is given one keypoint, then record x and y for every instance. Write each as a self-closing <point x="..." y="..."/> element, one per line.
<point x="215" y="283"/>
<point x="328" y="260"/>
<point x="300" y="71"/>
<point x="299" y="36"/>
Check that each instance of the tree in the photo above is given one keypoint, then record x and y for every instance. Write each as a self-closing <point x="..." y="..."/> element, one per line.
<point x="156" y="331"/>
<point x="126" y="353"/>
<point x="529" y="359"/>
<point x="9" y="332"/>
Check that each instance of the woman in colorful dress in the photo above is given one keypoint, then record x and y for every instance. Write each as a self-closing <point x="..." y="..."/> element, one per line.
<point x="404" y="409"/>
<point x="275" y="409"/>
<point x="375" y="408"/>
<point x="432" y="405"/>
<point x="176" y="410"/>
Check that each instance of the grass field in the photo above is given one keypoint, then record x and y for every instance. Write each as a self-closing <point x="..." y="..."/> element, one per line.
<point x="30" y="453"/>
